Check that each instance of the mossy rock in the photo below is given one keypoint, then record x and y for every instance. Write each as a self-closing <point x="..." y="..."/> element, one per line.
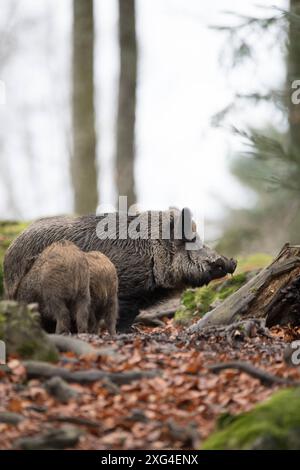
<point x="196" y="302"/>
<point x="273" y="424"/>
<point x="22" y="334"/>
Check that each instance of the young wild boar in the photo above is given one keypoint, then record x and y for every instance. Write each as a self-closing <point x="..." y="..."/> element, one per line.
<point x="59" y="282"/>
<point x="104" y="292"/>
<point x="149" y="268"/>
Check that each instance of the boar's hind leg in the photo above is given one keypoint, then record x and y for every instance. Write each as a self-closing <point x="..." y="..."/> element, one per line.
<point x="81" y="313"/>
<point x="57" y="309"/>
<point x="92" y="323"/>
<point x="127" y="313"/>
<point x="111" y="315"/>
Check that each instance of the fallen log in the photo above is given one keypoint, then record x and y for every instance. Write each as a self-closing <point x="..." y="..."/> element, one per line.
<point x="271" y="294"/>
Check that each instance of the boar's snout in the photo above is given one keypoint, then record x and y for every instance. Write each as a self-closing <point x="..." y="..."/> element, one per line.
<point x="221" y="267"/>
<point x="230" y="265"/>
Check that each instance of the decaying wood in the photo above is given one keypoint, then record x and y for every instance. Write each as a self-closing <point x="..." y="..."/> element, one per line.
<point x="258" y="297"/>
<point x="264" y="377"/>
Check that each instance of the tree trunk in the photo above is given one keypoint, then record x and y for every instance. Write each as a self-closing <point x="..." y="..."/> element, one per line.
<point x="126" y="101"/>
<point x="272" y="294"/>
<point x="84" y="168"/>
<point x="294" y="74"/>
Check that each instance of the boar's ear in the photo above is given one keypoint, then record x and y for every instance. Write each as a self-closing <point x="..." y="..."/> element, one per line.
<point x="184" y="226"/>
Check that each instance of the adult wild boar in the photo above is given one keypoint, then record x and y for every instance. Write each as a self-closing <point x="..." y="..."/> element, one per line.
<point x="151" y="265"/>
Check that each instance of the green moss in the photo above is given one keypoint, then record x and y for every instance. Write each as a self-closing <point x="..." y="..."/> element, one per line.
<point x="224" y="420"/>
<point x="232" y="285"/>
<point x="184" y="316"/>
<point x="188" y="299"/>
<point x="205" y="297"/>
<point x="32" y="349"/>
<point x="21" y="331"/>
<point x="196" y="302"/>
<point x="273" y="424"/>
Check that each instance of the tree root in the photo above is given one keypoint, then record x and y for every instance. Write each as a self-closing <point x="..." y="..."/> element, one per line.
<point x="60" y="390"/>
<point x="52" y="439"/>
<point x="78" y="346"/>
<point x="264" y="377"/>
<point x="154" y="319"/>
<point x="75" y="420"/>
<point x="9" y="417"/>
<point x="36" y="369"/>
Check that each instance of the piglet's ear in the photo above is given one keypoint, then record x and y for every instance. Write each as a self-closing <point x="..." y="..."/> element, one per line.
<point x="184" y="226"/>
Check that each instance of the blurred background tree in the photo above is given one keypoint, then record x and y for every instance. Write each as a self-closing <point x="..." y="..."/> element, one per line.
<point x="83" y="161"/>
<point x="8" y="45"/>
<point x="270" y="163"/>
<point x="126" y="101"/>
<point x="84" y="166"/>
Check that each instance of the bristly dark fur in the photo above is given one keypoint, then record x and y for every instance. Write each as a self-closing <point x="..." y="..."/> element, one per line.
<point x="148" y="270"/>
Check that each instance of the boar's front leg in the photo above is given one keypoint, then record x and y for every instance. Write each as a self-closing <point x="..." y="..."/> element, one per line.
<point x="127" y="314"/>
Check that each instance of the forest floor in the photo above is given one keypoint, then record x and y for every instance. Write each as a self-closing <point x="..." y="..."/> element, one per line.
<point x="175" y="407"/>
<point x="175" y="403"/>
